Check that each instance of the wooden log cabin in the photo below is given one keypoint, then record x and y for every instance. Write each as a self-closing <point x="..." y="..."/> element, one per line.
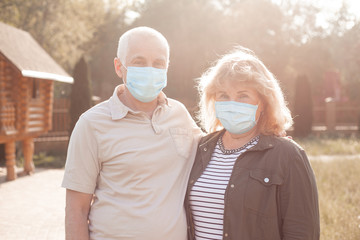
<point x="27" y="75"/>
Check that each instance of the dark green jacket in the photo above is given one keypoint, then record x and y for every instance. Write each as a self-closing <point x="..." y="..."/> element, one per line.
<point x="271" y="194"/>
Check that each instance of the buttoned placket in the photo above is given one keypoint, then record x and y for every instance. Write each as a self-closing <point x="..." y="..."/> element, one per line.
<point x="155" y="126"/>
<point x="153" y="121"/>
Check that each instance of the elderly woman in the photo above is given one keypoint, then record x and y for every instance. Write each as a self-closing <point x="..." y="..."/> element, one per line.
<point x="248" y="181"/>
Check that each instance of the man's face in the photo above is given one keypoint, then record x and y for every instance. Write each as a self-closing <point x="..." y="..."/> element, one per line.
<point x="145" y="51"/>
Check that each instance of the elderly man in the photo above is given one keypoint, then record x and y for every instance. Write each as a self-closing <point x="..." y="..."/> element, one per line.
<point x="129" y="157"/>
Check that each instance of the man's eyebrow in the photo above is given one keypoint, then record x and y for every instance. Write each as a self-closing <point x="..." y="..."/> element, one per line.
<point x="160" y="60"/>
<point x="137" y="57"/>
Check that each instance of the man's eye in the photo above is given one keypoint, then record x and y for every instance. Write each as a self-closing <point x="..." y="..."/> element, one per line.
<point x="139" y="62"/>
<point x="160" y="65"/>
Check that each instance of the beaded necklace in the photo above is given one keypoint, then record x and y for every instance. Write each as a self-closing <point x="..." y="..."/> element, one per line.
<point x="231" y="151"/>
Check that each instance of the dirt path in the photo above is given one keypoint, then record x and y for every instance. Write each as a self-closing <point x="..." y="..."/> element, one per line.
<point x="32" y="207"/>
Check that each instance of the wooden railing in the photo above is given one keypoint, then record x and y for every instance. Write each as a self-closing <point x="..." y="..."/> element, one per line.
<point x="336" y="116"/>
<point x="332" y="116"/>
<point x="60" y="122"/>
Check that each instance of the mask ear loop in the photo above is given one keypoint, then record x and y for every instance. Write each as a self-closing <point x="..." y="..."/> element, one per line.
<point x="124" y="66"/>
<point x="122" y="63"/>
<point x="261" y="113"/>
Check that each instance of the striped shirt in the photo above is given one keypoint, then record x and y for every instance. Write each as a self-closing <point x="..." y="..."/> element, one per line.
<point x="207" y="194"/>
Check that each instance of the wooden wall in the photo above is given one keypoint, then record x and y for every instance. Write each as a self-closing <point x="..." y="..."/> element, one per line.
<point x="25" y="104"/>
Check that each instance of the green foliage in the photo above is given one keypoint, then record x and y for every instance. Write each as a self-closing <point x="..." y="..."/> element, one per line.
<point x="199" y="31"/>
<point x="65" y="29"/>
<point x="42" y="160"/>
<point x="104" y="50"/>
<point x="286" y="37"/>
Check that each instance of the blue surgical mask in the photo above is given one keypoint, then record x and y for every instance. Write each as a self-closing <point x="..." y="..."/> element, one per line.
<point x="145" y="83"/>
<point x="236" y="117"/>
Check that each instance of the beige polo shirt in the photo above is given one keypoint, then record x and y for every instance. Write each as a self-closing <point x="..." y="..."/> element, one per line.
<point x="136" y="167"/>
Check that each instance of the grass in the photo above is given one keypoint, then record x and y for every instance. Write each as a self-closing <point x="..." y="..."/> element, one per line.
<point x="338" y="179"/>
<point x="328" y="145"/>
<point x="339" y="198"/>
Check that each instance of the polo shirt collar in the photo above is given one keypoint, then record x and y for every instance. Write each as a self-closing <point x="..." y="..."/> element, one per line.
<point x="118" y="110"/>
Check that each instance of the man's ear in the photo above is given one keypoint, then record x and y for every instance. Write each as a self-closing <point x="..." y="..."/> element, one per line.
<point x="118" y="68"/>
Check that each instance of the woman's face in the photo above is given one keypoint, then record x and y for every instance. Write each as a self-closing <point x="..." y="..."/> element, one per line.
<point x="239" y="92"/>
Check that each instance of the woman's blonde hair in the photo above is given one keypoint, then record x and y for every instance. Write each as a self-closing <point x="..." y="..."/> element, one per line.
<point x="242" y="65"/>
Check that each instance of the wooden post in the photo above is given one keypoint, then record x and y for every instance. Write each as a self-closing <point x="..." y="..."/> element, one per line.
<point x="28" y="151"/>
<point x="10" y="160"/>
<point x="330" y="114"/>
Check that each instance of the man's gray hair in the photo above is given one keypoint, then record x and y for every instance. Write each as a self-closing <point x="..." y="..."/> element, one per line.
<point x="124" y="41"/>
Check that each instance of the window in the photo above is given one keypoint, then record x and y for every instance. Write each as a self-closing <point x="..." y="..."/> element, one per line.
<point x="35" y="89"/>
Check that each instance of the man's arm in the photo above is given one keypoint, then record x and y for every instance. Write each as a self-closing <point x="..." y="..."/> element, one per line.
<point x="76" y="215"/>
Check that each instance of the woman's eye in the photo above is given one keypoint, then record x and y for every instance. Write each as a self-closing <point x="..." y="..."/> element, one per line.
<point x="243" y="96"/>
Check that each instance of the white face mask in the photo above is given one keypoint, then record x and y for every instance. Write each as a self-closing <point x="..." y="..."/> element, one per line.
<point x="145" y="83"/>
<point x="236" y="117"/>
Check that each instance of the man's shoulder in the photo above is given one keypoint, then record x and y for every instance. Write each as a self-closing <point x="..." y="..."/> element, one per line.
<point x="98" y="111"/>
<point x="177" y="105"/>
<point x="174" y="102"/>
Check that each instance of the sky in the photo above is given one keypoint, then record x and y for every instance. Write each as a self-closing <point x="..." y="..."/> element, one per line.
<point x="329" y="8"/>
<point x="333" y="5"/>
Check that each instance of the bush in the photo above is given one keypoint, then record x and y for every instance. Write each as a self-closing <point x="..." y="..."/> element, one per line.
<point x="44" y="160"/>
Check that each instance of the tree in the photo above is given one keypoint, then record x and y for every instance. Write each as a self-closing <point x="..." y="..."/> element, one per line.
<point x="349" y="53"/>
<point x="65" y="29"/>
<point x="199" y="31"/>
<point x="104" y="51"/>
<point x="303" y="107"/>
<point x="80" y="92"/>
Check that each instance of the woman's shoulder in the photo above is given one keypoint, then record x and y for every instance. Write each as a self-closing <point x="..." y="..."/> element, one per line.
<point x="286" y="143"/>
<point x="210" y="137"/>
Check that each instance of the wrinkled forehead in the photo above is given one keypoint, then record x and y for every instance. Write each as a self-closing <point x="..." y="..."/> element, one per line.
<point x="148" y="41"/>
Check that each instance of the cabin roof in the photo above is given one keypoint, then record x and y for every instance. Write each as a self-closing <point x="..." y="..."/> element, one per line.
<point x="28" y="56"/>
